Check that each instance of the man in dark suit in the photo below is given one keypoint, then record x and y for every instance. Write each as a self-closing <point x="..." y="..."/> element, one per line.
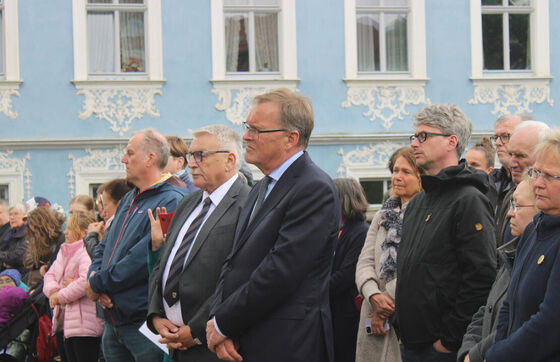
<point x="199" y="238"/>
<point x="272" y="299"/>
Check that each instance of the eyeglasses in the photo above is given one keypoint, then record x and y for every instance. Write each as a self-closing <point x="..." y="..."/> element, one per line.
<point x="535" y="174"/>
<point x="254" y="132"/>
<point x="199" y="155"/>
<point x="504" y="137"/>
<point x="515" y="206"/>
<point x="423" y="136"/>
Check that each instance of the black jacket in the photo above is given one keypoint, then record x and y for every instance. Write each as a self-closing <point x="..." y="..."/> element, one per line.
<point x="447" y="258"/>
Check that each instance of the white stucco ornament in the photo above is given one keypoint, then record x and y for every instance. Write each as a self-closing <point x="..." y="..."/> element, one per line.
<point x="366" y="161"/>
<point x="119" y="104"/>
<point x="385" y="103"/>
<point x="13" y="171"/>
<point x="6" y="92"/>
<point x="511" y="98"/>
<point x="98" y="166"/>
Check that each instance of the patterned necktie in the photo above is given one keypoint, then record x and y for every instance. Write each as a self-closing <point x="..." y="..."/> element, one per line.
<point x="171" y="292"/>
<point x="260" y="198"/>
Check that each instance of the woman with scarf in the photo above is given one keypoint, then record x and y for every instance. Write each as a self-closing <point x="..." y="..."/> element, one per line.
<point x="377" y="265"/>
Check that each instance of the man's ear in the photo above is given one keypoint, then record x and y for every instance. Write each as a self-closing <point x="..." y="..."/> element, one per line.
<point x="453" y="141"/>
<point x="293" y="138"/>
<point x="150" y="159"/>
<point x="230" y="161"/>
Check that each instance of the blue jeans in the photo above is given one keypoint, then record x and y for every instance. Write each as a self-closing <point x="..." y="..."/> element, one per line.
<point x="125" y="343"/>
<point x="427" y="354"/>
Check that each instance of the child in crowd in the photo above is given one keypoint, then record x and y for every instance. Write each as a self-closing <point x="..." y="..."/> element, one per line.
<point x="12" y="295"/>
<point x="65" y="286"/>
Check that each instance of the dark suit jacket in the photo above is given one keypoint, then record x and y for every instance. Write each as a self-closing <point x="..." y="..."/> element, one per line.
<point x="343" y="291"/>
<point x="202" y="269"/>
<point x="273" y="293"/>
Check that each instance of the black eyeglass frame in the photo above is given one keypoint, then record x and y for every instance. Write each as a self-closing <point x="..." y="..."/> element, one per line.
<point x="504" y="137"/>
<point x="198" y="156"/>
<point x="254" y="131"/>
<point x="423" y="136"/>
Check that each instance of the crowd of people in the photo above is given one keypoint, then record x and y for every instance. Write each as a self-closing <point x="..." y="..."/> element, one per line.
<point x="459" y="263"/>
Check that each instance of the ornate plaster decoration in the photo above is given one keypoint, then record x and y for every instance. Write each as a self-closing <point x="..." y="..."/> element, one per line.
<point x="16" y="173"/>
<point x="7" y="90"/>
<point x="365" y="160"/>
<point x="385" y="102"/>
<point x="119" y="103"/>
<point x="100" y="164"/>
<point x="511" y="97"/>
<point x="235" y="97"/>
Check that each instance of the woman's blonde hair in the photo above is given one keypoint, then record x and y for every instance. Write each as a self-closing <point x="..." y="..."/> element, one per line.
<point x="42" y="230"/>
<point x="78" y="223"/>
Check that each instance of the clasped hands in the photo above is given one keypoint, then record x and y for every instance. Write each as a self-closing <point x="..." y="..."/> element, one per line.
<point x="225" y="348"/>
<point x="103" y="299"/>
<point x="383" y="307"/>
<point x="174" y="337"/>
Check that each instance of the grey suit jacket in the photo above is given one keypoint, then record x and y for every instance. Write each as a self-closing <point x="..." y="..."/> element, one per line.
<point x="203" y="265"/>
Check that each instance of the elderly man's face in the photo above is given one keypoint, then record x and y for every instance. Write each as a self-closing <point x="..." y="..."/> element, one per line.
<point x="520" y="147"/>
<point x="212" y="171"/>
<point x="265" y="150"/>
<point x="135" y="159"/>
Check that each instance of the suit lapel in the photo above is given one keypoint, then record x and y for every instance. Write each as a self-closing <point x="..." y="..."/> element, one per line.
<point x="216" y="215"/>
<point x="176" y="224"/>
<point x="282" y="187"/>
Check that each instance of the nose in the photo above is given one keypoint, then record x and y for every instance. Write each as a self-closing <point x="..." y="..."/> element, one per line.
<point x="538" y="182"/>
<point x="191" y="163"/>
<point x="247" y="136"/>
<point x="510" y="212"/>
<point x="124" y="159"/>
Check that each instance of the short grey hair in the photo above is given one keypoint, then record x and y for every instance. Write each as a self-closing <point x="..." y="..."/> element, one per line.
<point x="18" y="206"/>
<point x="228" y="140"/>
<point x="541" y="127"/>
<point x="506" y="117"/>
<point x="155" y="142"/>
<point x="449" y="119"/>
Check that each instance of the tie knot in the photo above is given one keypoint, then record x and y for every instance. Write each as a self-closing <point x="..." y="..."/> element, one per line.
<point x="207" y="201"/>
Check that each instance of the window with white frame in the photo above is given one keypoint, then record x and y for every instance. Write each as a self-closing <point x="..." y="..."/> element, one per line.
<point x="251" y="34"/>
<point x="385" y="37"/>
<point x="510" y="38"/>
<point x="375" y="189"/>
<point x="506" y="29"/>
<point x="117" y="39"/>
<point x="382" y="35"/>
<point x="9" y="40"/>
<point x="116" y="36"/>
<point x="253" y="39"/>
<point x="4" y="192"/>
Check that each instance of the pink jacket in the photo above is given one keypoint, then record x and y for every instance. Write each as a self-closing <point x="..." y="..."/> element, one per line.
<point x="77" y="317"/>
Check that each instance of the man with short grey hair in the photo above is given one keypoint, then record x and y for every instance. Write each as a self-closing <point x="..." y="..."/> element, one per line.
<point x="447" y="255"/>
<point x="525" y="137"/>
<point x="118" y="275"/>
<point x="4" y="219"/>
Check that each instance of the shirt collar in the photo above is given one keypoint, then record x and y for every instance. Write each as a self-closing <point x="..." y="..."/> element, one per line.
<point x="278" y="172"/>
<point x="221" y="191"/>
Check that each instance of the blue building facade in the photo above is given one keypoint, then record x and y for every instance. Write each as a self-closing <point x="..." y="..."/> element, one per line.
<point x="80" y="76"/>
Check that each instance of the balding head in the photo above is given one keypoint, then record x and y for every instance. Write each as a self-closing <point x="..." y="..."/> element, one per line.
<point x="522" y="145"/>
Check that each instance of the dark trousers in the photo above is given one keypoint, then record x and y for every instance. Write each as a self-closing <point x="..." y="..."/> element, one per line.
<point x="82" y="349"/>
<point x="427" y="354"/>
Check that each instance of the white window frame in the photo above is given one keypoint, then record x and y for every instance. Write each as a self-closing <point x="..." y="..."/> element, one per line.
<point x="153" y="44"/>
<point x="416" y="23"/>
<point x="287" y="47"/>
<point x="10" y="39"/>
<point x="85" y="178"/>
<point x="540" y="45"/>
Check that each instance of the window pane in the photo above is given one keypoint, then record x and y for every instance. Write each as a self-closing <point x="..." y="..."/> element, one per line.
<point x="237" y="46"/>
<point x="250" y="2"/>
<point x="131" y="1"/>
<point x="1" y="43"/>
<point x="101" y="43"/>
<point x="492" y="41"/>
<point x="396" y="42"/>
<point x="492" y="2"/>
<point x="266" y="42"/>
<point x="4" y="194"/>
<point x="100" y="1"/>
<point x="368" y="42"/>
<point x="373" y="190"/>
<point x="132" y="42"/>
<point x="519" y="42"/>
<point x="381" y="2"/>
<point x="520" y="2"/>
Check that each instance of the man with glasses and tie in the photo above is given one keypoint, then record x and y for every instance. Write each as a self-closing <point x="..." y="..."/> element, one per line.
<point x="447" y="256"/>
<point x="198" y="240"/>
<point x="272" y="300"/>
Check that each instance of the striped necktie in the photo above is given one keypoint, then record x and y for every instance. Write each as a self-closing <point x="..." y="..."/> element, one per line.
<point x="260" y="198"/>
<point x="171" y="292"/>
